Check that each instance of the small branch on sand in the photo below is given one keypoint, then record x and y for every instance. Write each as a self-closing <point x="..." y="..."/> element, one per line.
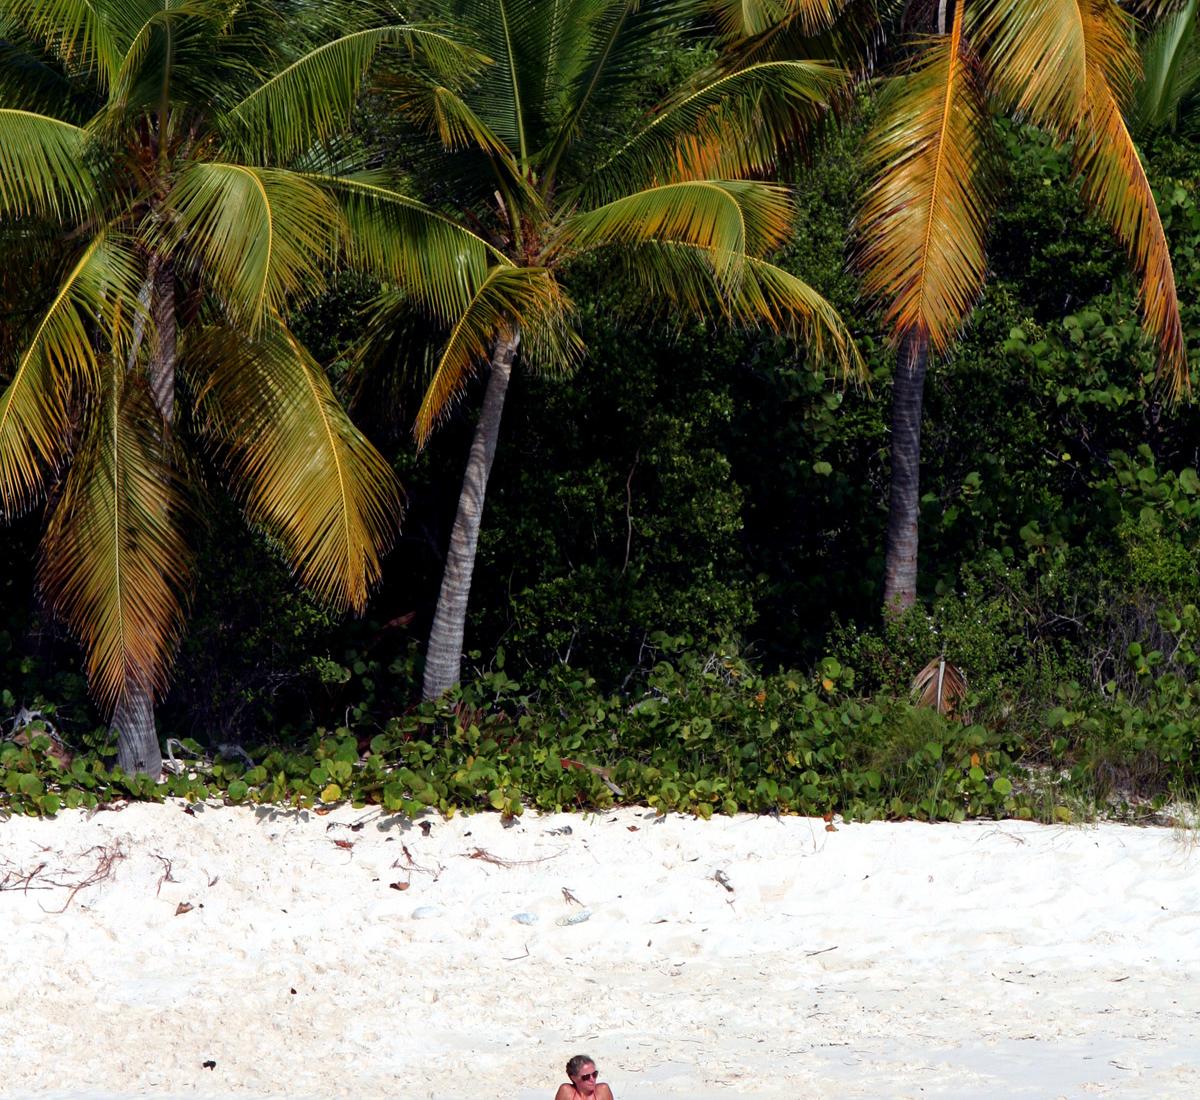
<point x="166" y="875"/>
<point x="411" y="864"/>
<point x="517" y="958"/>
<point x="488" y="857"/>
<point x="107" y="859"/>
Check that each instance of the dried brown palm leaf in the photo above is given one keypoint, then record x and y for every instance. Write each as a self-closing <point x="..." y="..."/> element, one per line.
<point x="940" y="686"/>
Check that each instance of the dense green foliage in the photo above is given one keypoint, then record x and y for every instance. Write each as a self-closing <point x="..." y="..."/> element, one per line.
<point x="696" y="519"/>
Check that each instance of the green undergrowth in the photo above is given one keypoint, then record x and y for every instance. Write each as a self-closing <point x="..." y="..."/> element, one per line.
<point x="705" y="734"/>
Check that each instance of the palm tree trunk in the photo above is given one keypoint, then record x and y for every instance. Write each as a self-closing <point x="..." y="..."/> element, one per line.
<point x="908" y="390"/>
<point x="443" y="659"/>
<point x="138" y="750"/>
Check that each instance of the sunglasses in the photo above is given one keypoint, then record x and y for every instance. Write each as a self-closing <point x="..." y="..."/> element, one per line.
<point x="589" y="1076"/>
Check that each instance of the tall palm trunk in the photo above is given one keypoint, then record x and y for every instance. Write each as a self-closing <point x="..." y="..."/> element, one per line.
<point x="138" y="750"/>
<point x="908" y="391"/>
<point x="443" y="659"/>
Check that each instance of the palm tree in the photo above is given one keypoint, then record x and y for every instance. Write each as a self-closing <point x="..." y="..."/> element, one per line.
<point x="176" y="157"/>
<point x="1066" y="66"/>
<point x="1166" y="95"/>
<point x="549" y="157"/>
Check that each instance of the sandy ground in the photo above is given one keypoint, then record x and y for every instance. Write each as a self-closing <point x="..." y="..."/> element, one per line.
<point x="365" y="956"/>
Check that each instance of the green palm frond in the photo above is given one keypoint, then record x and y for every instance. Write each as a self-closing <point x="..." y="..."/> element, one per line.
<point x="923" y="222"/>
<point x="528" y="299"/>
<point x="80" y="33"/>
<point x="29" y="78"/>
<point x="1170" y="71"/>
<point x="728" y="218"/>
<point x="1036" y="57"/>
<point x="314" y="96"/>
<point x="116" y="565"/>
<point x="507" y="91"/>
<point x="301" y="469"/>
<point x="733" y="124"/>
<point x="59" y="358"/>
<point x="261" y="238"/>
<point x="1115" y="183"/>
<point x="43" y="170"/>
<point x="398" y="239"/>
<point x="680" y="275"/>
<point x="592" y="54"/>
<point x="740" y="19"/>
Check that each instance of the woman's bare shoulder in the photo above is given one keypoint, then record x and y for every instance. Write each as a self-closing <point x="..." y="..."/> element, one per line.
<point x="565" y="1092"/>
<point x="603" y="1092"/>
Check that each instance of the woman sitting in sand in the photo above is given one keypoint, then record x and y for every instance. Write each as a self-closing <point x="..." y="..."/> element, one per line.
<point x="584" y="1086"/>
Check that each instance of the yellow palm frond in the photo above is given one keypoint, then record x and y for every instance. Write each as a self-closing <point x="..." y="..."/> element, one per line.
<point x="1035" y="54"/>
<point x="397" y="239"/>
<point x="43" y="170"/>
<point x="729" y="218"/>
<point x="923" y="221"/>
<point x="674" y="273"/>
<point x="261" y="238"/>
<point x="300" y="467"/>
<point x="732" y="124"/>
<point x="115" y="564"/>
<point x="59" y="356"/>
<point x="527" y="299"/>
<point x="1115" y="183"/>
<point x="314" y="95"/>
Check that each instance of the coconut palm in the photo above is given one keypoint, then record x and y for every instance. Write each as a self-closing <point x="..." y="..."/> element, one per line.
<point x="175" y="158"/>
<point x="549" y="157"/>
<point x="1066" y="66"/>
<point x="1167" y="94"/>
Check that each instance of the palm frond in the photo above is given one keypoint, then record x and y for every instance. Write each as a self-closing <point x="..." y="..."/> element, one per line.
<point x="527" y="299"/>
<point x="301" y="469"/>
<point x="43" y="170"/>
<point x="1115" y="183"/>
<point x="400" y="240"/>
<point x="923" y="222"/>
<point x="940" y="686"/>
<point x="734" y="124"/>
<point x="1035" y="54"/>
<point x="59" y="357"/>
<point x="680" y="275"/>
<point x="115" y="563"/>
<point x="313" y="97"/>
<point x="852" y="40"/>
<point x="1170" y="71"/>
<point x="592" y="54"/>
<point x="80" y="33"/>
<point x="728" y="218"/>
<point x="261" y="238"/>
<point x="740" y="19"/>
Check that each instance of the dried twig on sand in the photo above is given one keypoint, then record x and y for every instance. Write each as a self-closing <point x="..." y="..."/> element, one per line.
<point x="488" y="857"/>
<point x="166" y="875"/>
<point x="107" y="857"/>
<point x="411" y="864"/>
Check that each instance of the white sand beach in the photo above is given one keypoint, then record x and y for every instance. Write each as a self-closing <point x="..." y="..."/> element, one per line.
<point x="365" y="956"/>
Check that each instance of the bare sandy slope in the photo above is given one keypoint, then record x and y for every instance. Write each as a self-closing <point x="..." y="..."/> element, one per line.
<point x="970" y="961"/>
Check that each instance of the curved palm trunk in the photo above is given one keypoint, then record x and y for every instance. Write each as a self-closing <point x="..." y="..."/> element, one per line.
<point x="443" y="659"/>
<point x="908" y="391"/>
<point x="138" y="750"/>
